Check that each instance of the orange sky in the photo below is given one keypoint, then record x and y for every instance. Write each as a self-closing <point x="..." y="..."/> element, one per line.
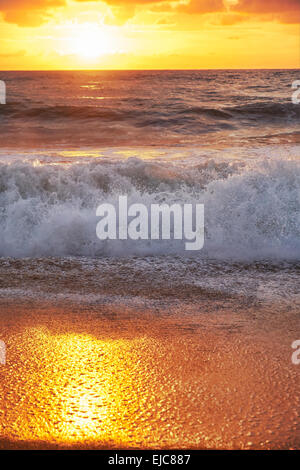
<point x="149" y="34"/>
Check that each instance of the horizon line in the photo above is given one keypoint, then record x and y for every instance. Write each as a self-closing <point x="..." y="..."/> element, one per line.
<point x="150" y="70"/>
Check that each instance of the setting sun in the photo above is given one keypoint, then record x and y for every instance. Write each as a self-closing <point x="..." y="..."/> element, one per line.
<point x="89" y="41"/>
<point x="148" y="35"/>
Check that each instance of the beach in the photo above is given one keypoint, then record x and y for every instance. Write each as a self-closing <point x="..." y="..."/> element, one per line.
<point x="162" y="369"/>
<point x="148" y="380"/>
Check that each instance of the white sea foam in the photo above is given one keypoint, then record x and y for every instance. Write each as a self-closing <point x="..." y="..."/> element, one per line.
<point x="252" y="208"/>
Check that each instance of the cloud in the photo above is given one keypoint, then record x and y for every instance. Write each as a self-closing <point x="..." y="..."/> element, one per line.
<point x="286" y="11"/>
<point x="230" y="19"/>
<point x="193" y="6"/>
<point x="28" y="12"/>
<point x="267" y="6"/>
<point x="10" y="55"/>
<point x="35" y="12"/>
<point x="203" y="6"/>
<point x="233" y="11"/>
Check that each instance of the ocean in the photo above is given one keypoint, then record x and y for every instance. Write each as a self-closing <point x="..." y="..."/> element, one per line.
<point x="73" y="110"/>
<point x="226" y="139"/>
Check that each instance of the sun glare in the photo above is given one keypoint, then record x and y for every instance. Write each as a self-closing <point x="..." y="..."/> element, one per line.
<point x="90" y="41"/>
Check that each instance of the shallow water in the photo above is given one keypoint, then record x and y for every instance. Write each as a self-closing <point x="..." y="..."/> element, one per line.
<point x="183" y="376"/>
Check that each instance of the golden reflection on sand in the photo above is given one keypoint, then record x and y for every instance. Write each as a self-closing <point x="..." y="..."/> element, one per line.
<point x="88" y="382"/>
<point x="78" y="391"/>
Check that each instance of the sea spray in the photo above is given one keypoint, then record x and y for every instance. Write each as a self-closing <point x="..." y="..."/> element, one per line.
<point x="251" y="210"/>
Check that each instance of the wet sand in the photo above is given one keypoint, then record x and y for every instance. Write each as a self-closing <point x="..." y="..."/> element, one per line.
<point x="115" y="376"/>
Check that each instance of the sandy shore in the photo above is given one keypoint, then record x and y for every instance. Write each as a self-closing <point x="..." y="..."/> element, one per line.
<point x="131" y="377"/>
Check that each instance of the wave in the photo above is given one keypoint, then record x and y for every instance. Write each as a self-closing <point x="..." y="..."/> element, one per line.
<point x="131" y="109"/>
<point x="148" y="108"/>
<point x="63" y="112"/>
<point x="251" y="211"/>
<point x="266" y="110"/>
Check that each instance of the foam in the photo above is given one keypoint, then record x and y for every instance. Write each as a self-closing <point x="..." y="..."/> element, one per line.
<point x="251" y="208"/>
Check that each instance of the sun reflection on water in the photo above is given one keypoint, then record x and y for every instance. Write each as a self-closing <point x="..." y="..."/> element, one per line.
<point x="115" y="388"/>
<point x="82" y="392"/>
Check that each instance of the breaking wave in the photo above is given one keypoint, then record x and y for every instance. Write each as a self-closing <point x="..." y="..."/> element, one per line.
<point x="252" y="211"/>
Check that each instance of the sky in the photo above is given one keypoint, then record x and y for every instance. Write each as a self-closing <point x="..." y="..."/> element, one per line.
<point x="149" y="34"/>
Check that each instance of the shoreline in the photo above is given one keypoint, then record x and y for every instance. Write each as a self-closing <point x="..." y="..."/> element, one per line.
<point x="120" y="377"/>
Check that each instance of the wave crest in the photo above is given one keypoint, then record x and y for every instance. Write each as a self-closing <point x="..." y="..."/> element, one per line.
<point x="251" y="211"/>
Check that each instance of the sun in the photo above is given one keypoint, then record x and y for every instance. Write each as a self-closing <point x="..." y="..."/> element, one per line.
<point x="90" y="41"/>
